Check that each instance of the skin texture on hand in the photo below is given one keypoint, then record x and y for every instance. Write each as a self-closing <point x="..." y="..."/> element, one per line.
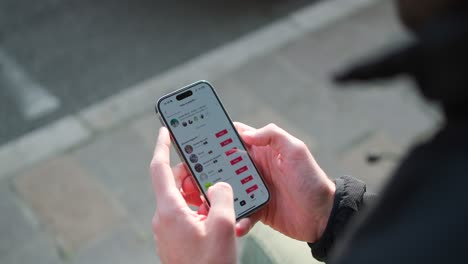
<point x="181" y="234"/>
<point x="301" y="193"/>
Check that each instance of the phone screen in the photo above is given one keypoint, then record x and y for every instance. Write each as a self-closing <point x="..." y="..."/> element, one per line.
<point x="208" y="142"/>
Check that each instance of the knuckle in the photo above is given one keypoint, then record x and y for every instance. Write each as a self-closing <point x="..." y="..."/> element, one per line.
<point x="299" y="144"/>
<point x="298" y="147"/>
<point x="225" y="224"/>
<point x="225" y="227"/>
<point x="276" y="130"/>
<point x="166" y="216"/>
<point x="272" y="126"/>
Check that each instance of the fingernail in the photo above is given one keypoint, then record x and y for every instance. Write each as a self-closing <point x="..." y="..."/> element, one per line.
<point x="220" y="189"/>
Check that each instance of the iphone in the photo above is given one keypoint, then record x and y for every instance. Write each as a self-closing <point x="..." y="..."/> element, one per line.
<point x="208" y="143"/>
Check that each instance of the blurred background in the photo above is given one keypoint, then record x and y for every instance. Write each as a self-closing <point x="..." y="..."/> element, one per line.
<point x="75" y="53"/>
<point x="78" y="80"/>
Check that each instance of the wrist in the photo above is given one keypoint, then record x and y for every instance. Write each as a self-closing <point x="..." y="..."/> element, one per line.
<point x="347" y="201"/>
<point x="328" y="202"/>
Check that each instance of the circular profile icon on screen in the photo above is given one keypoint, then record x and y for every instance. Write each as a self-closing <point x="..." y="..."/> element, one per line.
<point x="188" y="149"/>
<point x="174" y="122"/>
<point x="203" y="177"/>
<point x="198" y="167"/>
<point x="193" y="158"/>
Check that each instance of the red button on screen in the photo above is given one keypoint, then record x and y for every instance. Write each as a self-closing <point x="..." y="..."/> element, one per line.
<point x="226" y="142"/>
<point x="236" y="160"/>
<point x="221" y="133"/>
<point x="241" y="170"/>
<point x="246" y="179"/>
<point x="231" y="151"/>
<point x="251" y="189"/>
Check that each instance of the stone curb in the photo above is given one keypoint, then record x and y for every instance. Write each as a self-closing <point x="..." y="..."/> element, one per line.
<point x="42" y="143"/>
<point x="72" y="130"/>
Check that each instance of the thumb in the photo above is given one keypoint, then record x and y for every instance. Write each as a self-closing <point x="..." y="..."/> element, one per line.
<point x="221" y="215"/>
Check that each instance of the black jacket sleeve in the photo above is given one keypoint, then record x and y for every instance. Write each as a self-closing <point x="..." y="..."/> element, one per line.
<point x="350" y="197"/>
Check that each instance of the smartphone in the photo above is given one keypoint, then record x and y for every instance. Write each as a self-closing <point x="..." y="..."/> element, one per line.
<point x="205" y="138"/>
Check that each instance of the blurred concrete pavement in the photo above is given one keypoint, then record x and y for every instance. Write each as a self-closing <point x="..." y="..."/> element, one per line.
<point x="81" y="193"/>
<point x="60" y="56"/>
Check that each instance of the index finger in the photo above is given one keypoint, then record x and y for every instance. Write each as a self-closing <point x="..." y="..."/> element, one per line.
<point x="161" y="173"/>
<point x="241" y="127"/>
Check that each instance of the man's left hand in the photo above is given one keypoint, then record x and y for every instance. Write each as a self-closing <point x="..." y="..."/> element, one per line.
<point x="181" y="234"/>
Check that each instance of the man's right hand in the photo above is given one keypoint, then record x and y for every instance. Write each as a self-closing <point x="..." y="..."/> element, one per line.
<point x="301" y="193"/>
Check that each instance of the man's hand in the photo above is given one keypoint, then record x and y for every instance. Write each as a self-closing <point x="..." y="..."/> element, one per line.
<point x="301" y="193"/>
<point x="181" y="234"/>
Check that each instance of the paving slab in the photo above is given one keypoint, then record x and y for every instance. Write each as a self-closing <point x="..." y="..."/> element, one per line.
<point x="68" y="201"/>
<point x="146" y="127"/>
<point x="245" y="106"/>
<point x="307" y="105"/>
<point x="393" y="107"/>
<point x="330" y="48"/>
<point x="123" y="246"/>
<point x="120" y="162"/>
<point x="40" y="249"/>
<point x="271" y="81"/>
<point x="16" y="228"/>
<point x="374" y="174"/>
<point x="323" y="110"/>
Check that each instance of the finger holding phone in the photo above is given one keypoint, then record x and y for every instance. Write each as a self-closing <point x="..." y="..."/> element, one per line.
<point x="285" y="188"/>
<point x="181" y="234"/>
<point x="301" y="193"/>
<point x="207" y="141"/>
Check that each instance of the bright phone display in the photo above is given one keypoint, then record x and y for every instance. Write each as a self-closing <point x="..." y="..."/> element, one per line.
<point x="208" y="142"/>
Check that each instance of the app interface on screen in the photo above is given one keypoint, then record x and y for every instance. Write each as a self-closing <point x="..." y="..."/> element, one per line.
<point x="212" y="148"/>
